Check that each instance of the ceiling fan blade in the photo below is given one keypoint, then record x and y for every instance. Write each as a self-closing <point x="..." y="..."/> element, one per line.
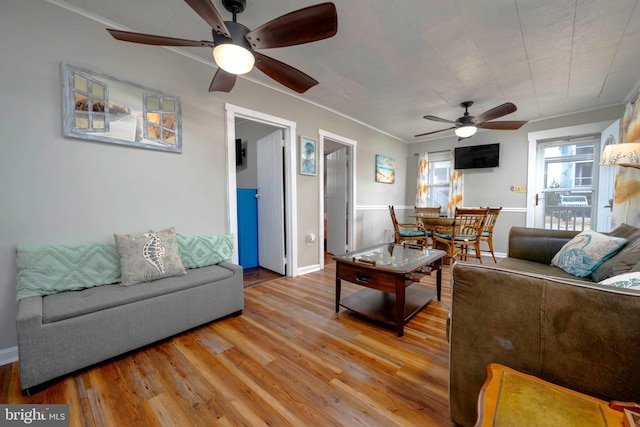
<point x="438" y="119"/>
<point x="503" y="125"/>
<point x="435" y="131"/>
<point x="129" y="36"/>
<point x="495" y="112"/>
<point x="207" y="11"/>
<point x="305" y="25"/>
<point x="222" y="81"/>
<point x="285" y="74"/>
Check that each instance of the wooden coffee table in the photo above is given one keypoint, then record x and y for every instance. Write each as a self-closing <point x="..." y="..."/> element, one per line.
<point x="387" y="272"/>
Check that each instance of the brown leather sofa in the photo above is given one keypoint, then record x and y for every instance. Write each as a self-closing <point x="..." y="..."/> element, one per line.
<point x="533" y="317"/>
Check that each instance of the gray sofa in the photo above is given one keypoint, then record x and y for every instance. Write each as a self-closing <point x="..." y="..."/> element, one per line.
<point x="61" y="333"/>
<point x="533" y="317"/>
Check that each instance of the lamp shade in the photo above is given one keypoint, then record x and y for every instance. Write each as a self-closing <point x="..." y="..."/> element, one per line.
<point x="233" y="59"/>
<point x="466" y="131"/>
<point x="627" y="155"/>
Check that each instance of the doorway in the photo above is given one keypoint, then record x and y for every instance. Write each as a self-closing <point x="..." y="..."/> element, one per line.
<point x="337" y="195"/>
<point x="563" y="177"/>
<point x="288" y="129"/>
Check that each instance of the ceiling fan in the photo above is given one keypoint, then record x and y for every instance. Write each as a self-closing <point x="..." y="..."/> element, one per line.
<point x="466" y="126"/>
<point x="234" y="44"/>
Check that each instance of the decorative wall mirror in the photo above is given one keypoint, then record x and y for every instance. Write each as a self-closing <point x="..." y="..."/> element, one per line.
<point x="102" y="108"/>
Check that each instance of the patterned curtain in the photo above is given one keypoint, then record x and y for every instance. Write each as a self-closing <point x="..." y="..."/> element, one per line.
<point x="626" y="202"/>
<point x="423" y="180"/>
<point x="456" y="188"/>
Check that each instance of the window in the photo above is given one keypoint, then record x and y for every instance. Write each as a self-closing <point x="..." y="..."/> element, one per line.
<point x="160" y="119"/>
<point x="440" y="167"/>
<point x="91" y="109"/>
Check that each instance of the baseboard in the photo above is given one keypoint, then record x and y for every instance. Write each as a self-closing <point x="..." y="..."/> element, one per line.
<point x="8" y="355"/>
<point x="308" y="269"/>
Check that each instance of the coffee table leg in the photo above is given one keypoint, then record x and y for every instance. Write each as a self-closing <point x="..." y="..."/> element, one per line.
<point x="439" y="278"/>
<point x="338" y="286"/>
<point x="400" y="301"/>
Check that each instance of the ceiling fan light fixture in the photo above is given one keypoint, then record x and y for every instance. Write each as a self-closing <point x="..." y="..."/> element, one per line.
<point x="466" y="131"/>
<point x="233" y="59"/>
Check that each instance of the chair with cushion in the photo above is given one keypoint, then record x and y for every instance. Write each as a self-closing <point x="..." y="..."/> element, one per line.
<point x="465" y="231"/>
<point x="407" y="231"/>
<point x="487" y="230"/>
<point x="427" y="212"/>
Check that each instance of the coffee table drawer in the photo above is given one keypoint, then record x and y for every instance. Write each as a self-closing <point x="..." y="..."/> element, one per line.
<point x="374" y="279"/>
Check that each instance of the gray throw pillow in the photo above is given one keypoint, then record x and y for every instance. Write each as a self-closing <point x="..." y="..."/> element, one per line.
<point x="149" y="256"/>
<point x="625" y="260"/>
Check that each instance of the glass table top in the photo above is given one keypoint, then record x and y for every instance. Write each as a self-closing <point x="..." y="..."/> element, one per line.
<point x="390" y="256"/>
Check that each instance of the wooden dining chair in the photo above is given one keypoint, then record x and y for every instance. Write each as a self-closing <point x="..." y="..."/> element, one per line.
<point x="427" y="212"/>
<point x="487" y="230"/>
<point x="464" y="232"/>
<point x="407" y="231"/>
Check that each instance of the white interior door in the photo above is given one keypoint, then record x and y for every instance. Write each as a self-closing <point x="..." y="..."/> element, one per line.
<point x="336" y="201"/>
<point x="271" y="235"/>
<point x="606" y="181"/>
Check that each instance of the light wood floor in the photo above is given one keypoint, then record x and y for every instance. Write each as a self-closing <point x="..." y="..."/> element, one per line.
<point x="288" y="360"/>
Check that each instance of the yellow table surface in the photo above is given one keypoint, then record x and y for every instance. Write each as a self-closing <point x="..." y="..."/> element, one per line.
<point x="510" y="398"/>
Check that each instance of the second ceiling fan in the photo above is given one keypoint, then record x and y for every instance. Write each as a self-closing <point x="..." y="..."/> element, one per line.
<point x="467" y="125"/>
<point x="234" y="44"/>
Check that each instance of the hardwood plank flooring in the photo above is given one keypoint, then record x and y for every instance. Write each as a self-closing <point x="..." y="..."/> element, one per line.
<point x="289" y="359"/>
<point x="257" y="275"/>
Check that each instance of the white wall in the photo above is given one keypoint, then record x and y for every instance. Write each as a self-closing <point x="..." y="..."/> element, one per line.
<point x="250" y="132"/>
<point x="59" y="190"/>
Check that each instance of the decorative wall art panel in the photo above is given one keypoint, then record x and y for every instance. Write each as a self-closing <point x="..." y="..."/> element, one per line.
<point x="102" y="108"/>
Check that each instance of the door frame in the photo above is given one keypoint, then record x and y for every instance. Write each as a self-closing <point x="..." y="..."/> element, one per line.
<point x="351" y="231"/>
<point x="290" y="154"/>
<point x="534" y="137"/>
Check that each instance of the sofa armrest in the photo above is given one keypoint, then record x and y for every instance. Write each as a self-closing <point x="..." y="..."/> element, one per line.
<point x="537" y="244"/>
<point x="237" y="269"/>
<point x="29" y="312"/>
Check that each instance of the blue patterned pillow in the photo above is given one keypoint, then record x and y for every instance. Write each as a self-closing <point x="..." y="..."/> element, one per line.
<point x="586" y="252"/>
<point x="49" y="269"/>
<point x="200" y="251"/>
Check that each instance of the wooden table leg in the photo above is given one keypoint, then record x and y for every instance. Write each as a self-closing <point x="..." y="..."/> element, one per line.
<point x="400" y="302"/>
<point x="438" y="265"/>
<point x="338" y="286"/>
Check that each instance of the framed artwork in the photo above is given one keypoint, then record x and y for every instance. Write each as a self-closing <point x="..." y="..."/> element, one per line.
<point x="385" y="169"/>
<point x="102" y="108"/>
<point x="308" y="162"/>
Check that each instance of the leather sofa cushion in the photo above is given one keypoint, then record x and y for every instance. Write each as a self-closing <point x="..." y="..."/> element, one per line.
<point x="538" y="268"/>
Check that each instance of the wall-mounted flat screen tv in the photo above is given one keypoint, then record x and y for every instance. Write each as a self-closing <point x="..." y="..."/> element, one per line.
<point x="477" y="156"/>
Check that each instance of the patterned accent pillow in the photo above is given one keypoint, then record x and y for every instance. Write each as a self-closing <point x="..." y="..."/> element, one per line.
<point x="586" y="252"/>
<point x="149" y="256"/>
<point x="49" y="269"/>
<point x="626" y="280"/>
<point x="200" y="251"/>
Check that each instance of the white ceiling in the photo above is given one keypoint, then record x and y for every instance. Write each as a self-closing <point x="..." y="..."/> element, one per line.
<point x="393" y="61"/>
